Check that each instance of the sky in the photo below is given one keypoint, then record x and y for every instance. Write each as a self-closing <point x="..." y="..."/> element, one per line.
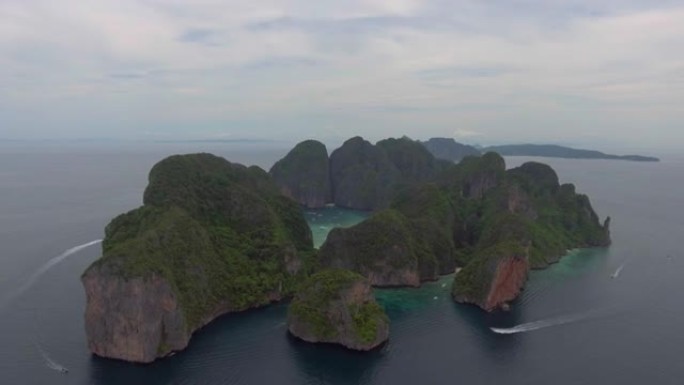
<point x="609" y="72"/>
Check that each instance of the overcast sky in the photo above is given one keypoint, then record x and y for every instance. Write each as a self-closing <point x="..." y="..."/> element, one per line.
<point x="609" y="72"/>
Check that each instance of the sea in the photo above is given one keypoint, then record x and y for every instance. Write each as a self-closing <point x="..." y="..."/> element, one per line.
<point x="599" y="316"/>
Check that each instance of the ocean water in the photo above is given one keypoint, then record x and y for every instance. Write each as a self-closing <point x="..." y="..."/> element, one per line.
<point x="597" y="317"/>
<point x="323" y="220"/>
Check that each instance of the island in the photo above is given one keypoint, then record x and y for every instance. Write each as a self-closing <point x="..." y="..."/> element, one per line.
<point x="338" y="307"/>
<point x="358" y="175"/>
<point x="449" y="149"/>
<point x="493" y="224"/>
<point x="554" y="151"/>
<point x="214" y="237"/>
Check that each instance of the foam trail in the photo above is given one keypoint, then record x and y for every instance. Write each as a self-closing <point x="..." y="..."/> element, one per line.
<point x="536" y="325"/>
<point x="43" y="269"/>
<point x="618" y="271"/>
<point x="51" y="363"/>
<point x="279" y="325"/>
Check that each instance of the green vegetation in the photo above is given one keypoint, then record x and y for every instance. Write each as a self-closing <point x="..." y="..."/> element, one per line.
<point x="362" y="175"/>
<point x="219" y="233"/>
<point x="473" y="281"/>
<point x="225" y="238"/>
<point x="383" y="241"/>
<point x="471" y="215"/>
<point x="527" y="214"/>
<point x="413" y="161"/>
<point x="304" y="174"/>
<point x="366" y="320"/>
<point x="328" y="298"/>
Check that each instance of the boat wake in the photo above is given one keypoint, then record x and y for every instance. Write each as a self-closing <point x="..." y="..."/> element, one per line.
<point x="43" y="269"/>
<point x="617" y="272"/>
<point x="50" y="363"/>
<point x="537" y="325"/>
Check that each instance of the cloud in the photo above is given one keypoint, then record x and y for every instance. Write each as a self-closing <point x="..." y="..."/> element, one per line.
<point x="531" y="70"/>
<point x="196" y="35"/>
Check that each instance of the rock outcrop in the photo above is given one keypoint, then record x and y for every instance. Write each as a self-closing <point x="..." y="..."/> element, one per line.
<point x="413" y="161"/>
<point x="481" y="174"/>
<point x="304" y="174"/>
<point x="338" y="307"/>
<point x="449" y="149"/>
<point x="212" y="237"/>
<point x="382" y="249"/>
<point x="144" y="314"/>
<point x="362" y="175"/>
<point x="405" y="245"/>
<point x="358" y="175"/>
<point x="495" y="278"/>
<point x="526" y="220"/>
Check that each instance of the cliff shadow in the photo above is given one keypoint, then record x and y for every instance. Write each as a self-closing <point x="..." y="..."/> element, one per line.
<point x="104" y="371"/>
<point x="332" y="364"/>
<point x="223" y="350"/>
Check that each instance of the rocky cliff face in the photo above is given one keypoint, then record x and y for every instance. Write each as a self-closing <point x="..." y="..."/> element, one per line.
<point x="495" y="279"/>
<point x="481" y="174"/>
<point x="338" y="307"/>
<point x="526" y="220"/>
<point x="362" y="175"/>
<point x="135" y="320"/>
<point x="358" y="175"/>
<point x="413" y="161"/>
<point x="304" y="174"/>
<point x="508" y="281"/>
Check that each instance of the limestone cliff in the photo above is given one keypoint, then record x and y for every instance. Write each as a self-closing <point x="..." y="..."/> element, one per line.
<point x="413" y="161"/>
<point x="528" y="220"/>
<point x="381" y="249"/>
<point x="358" y="175"/>
<point x="212" y="237"/>
<point x="134" y="320"/>
<point x="338" y="307"/>
<point x="362" y="175"/>
<point x="478" y="175"/>
<point x="304" y="174"/>
<point x="494" y="278"/>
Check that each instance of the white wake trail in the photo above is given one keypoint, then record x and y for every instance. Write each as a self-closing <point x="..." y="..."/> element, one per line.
<point x="542" y="324"/>
<point x="51" y="363"/>
<point x="43" y="269"/>
<point x="618" y="271"/>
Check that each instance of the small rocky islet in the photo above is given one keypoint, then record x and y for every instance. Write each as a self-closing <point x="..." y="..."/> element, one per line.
<point x="215" y="237"/>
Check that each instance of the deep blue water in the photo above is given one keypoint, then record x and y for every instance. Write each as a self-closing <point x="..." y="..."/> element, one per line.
<point x="584" y="326"/>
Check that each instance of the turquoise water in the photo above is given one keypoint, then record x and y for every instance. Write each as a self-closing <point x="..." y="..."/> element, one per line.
<point x="322" y="221"/>
<point x="573" y="323"/>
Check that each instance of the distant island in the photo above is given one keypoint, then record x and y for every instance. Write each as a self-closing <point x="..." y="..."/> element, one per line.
<point x="215" y="237"/>
<point x="449" y="149"/>
<point x="554" y="151"/>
